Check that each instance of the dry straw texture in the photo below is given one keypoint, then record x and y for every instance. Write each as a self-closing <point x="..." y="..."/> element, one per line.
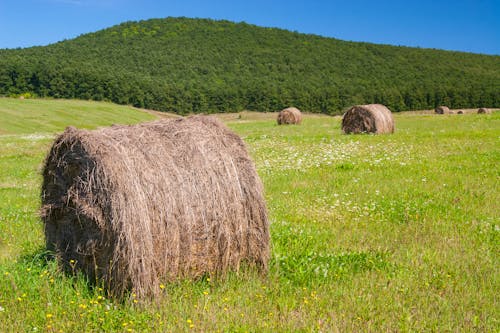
<point x="289" y="116"/>
<point x="371" y="118"/>
<point x="483" y="110"/>
<point x="132" y="206"/>
<point x="442" y="109"/>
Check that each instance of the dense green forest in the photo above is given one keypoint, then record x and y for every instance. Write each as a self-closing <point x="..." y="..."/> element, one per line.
<point x="187" y="65"/>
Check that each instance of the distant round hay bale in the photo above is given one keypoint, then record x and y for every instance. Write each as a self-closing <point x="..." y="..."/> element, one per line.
<point x="442" y="109"/>
<point x="483" y="110"/>
<point x="132" y="206"/>
<point x="370" y="118"/>
<point x="289" y="116"/>
<point x="460" y="112"/>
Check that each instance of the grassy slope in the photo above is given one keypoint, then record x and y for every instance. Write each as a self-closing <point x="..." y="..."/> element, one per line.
<point x="50" y="116"/>
<point x="380" y="233"/>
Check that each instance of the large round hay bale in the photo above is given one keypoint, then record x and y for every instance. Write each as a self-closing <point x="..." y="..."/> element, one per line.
<point x="371" y="118"/>
<point x="483" y="110"/>
<point x="460" y="112"/>
<point x="289" y="116"/>
<point x="132" y="206"/>
<point x="442" y="109"/>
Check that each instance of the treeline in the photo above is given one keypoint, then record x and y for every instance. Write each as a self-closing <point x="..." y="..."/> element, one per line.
<point x="195" y="65"/>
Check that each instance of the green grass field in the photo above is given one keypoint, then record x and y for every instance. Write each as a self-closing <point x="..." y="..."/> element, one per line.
<point x="369" y="233"/>
<point x="52" y="116"/>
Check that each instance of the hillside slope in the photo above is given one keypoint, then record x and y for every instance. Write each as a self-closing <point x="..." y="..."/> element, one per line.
<point x="51" y="116"/>
<point x="197" y="65"/>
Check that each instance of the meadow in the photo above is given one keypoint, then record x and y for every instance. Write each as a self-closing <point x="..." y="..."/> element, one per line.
<point x="369" y="233"/>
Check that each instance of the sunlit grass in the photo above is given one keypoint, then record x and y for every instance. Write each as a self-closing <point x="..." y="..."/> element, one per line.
<point x="28" y="116"/>
<point x="369" y="233"/>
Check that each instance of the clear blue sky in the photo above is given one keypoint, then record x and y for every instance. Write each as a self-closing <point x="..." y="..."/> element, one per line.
<point x="461" y="25"/>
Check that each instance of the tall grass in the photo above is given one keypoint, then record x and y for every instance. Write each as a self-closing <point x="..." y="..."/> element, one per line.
<point x="369" y="233"/>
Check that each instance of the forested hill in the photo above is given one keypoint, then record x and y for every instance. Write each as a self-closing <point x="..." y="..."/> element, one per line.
<point x="198" y="65"/>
